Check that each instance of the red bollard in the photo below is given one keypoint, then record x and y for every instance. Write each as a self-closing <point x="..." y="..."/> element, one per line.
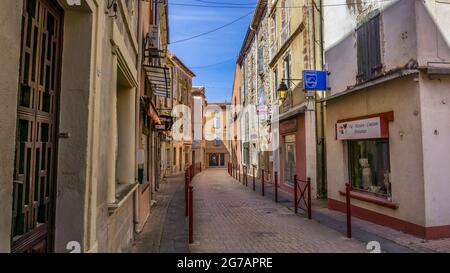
<point x="349" y="211"/>
<point x="186" y="191"/>
<point x="239" y="173"/>
<point x="246" y="176"/>
<point x="276" y="187"/>
<point x="262" y="182"/>
<point x="295" y="194"/>
<point x="191" y="215"/>
<point x="309" y="198"/>
<point x="254" y="182"/>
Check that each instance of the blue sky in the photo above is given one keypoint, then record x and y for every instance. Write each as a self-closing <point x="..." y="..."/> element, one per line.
<point x="212" y="57"/>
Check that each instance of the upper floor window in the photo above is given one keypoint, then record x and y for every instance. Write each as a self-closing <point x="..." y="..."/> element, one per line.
<point x="284" y="13"/>
<point x="216" y="121"/>
<point x="273" y="27"/>
<point x="275" y="82"/>
<point x="260" y="60"/>
<point x="287" y="69"/>
<point x="261" y="96"/>
<point x="369" y="48"/>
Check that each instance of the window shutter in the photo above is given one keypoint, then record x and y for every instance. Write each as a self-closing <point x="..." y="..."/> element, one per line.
<point x="375" y="56"/>
<point x="368" y="49"/>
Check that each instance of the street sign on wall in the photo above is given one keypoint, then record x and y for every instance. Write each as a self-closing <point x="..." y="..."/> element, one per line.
<point x="314" y="80"/>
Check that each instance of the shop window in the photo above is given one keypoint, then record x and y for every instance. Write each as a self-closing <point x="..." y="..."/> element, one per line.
<point x="369" y="166"/>
<point x="246" y="153"/>
<point x="289" y="159"/>
<point x="175" y="156"/>
<point x="187" y="153"/>
<point x="168" y="161"/>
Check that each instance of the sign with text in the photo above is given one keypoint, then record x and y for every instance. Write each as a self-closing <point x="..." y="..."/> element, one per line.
<point x="359" y="129"/>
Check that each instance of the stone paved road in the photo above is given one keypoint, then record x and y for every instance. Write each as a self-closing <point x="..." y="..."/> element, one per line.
<point x="231" y="218"/>
<point x="166" y="228"/>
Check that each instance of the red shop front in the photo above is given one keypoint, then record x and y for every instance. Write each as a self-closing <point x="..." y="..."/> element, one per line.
<point x="292" y="152"/>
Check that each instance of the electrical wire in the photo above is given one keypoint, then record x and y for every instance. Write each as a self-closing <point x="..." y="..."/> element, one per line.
<point x="214" y="64"/>
<point x="223" y="3"/>
<point x="212" y="30"/>
<point x="249" y="6"/>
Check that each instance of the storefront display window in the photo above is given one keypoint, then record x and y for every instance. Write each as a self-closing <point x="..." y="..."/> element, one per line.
<point x="369" y="166"/>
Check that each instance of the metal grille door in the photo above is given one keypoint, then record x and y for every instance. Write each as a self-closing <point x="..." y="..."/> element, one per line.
<point x="37" y="112"/>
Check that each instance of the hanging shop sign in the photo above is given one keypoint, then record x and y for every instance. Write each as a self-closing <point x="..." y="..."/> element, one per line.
<point x="160" y="127"/>
<point x="166" y="123"/>
<point x="314" y="80"/>
<point x="371" y="127"/>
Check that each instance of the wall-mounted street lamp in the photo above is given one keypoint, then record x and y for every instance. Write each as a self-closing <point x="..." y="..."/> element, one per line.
<point x="283" y="89"/>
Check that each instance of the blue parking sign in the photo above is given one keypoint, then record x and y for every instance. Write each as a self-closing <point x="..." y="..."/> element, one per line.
<point x="314" y="80"/>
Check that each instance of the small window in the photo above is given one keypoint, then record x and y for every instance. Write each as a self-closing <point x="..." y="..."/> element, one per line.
<point x="275" y="82"/>
<point x="369" y="166"/>
<point x="284" y="13"/>
<point x="273" y="27"/>
<point x="287" y="69"/>
<point x="369" y="48"/>
<point x="260" y="60"/>
<point x="261" y="96"/>
<point x="217" y="120"/>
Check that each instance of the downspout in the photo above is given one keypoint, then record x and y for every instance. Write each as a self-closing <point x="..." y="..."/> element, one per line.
<point x="322" y="104"/>
<point x="137" y="113"/>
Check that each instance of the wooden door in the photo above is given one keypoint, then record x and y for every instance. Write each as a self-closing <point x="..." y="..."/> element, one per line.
<point x="33" y="197"/>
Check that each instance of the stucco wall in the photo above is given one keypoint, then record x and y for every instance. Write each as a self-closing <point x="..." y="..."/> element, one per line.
<point x="74" y="113"/>
<point x="433" y="32"/>
<point x="10" y="40"/>
<point x="402" y="97"/>
<point x="435" y="114"/>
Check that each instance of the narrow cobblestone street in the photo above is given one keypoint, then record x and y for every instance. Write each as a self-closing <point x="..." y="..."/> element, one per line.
<point x="231" y="218"/>
<point x="166" y="229"/>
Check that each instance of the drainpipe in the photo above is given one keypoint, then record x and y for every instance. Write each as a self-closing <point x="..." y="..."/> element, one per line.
<point x="137" y="113"/>
<point x="320" y="116"/>
<point x="322" y="104"/>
